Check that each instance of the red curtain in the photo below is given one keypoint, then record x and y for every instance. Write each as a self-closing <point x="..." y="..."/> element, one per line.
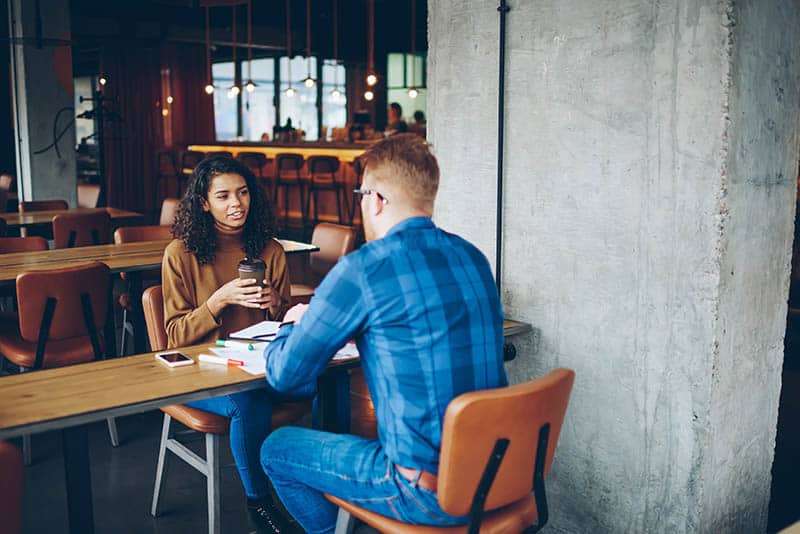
<point x="192" y="110"/>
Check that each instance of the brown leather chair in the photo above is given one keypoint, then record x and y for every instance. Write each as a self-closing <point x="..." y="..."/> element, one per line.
<point x="6" y="181"/>
<point x="11" y="479"/>
<point x="88" y="195"/>
<point x="494" y="443"/>
<point x="134" y="234"/>
<point x="81" y="229"/>
<point x="40" y="205"/>
<point x="212" y="425"/>
<point x="287" y="176"/>
<point x="22" y="244"/>
<point x="255" y="161"/>
<point x="322" y="172"/>
<point x="334" y="241"/>
<point x="62" y="313"/>
<point x="169" y="210"/>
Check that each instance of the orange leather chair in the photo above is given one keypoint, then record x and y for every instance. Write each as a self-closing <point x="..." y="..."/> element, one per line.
<point x="494" y="443"/>
<point x="40" y="205"/>
<point x="287" y="176"/>
<point x="22" y="244"/>
<point x="334" y="241"/>
<point x="169" y="210"/>
<point x="88" y="195"/>
<point x="212" y="425"/>
<point x="62" y="313"/>
<point x="322" y="177"/>
<point x="11" y="479"/>
<point x="81" y="229"/>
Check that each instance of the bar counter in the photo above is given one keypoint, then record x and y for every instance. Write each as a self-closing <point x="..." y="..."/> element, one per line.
<point x="346" y="152"/>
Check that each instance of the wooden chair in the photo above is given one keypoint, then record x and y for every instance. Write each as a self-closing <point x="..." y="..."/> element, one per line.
<point x="494" y="443"/>
<point x="88" y="195"/>
<point x="287" y="176"/>
<point x="11" y="479"/>
<point x="322" y="177"/>
<point x="61" y="315"/>
<point x="40" y="205"/>
<point x="134" y="234"/>
<point x="334" y="241"/>
<point x="212" y="425"/>
<point x="81" y="229"/>
<point x="169" y="210"/>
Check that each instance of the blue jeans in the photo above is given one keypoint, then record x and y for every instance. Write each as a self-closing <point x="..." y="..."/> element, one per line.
<point x="251" y="419"/>
<point x="303" y="464"/>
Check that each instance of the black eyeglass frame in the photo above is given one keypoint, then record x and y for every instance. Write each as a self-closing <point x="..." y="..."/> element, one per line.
<point x="380" y="195"/>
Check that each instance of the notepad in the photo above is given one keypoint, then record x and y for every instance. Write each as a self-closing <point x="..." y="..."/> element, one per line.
<point x="253" y="359"/>
<point x="263" y="331"/>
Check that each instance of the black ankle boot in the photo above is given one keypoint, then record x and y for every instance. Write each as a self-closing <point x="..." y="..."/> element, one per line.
<point x="268" y="519"/>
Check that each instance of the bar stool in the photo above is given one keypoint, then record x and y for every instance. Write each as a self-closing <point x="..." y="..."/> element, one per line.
<point x="219" y="154"/>
<point x="213" y="426"/>
<point x="494" y="443"/>
<point x="358" y="168"/>
<point x="256" y="161"/>
<point x="322" y="177"/>
<point x="81" y="229"/>
<point x="61" y="315"/>
<point x="88" y="195"/>
<point x="167" y="171"/>
<point x="189" y="160"/>
<point x="287" y="175"/>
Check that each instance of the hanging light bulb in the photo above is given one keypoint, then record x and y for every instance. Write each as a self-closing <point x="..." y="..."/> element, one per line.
<point x="102" y="80"/>
<point x="290" y="92"/>
<point x="369" y="95"/>
<point x="413" y="93"/>
<point x="336" y="94"/>
<point x="250" y="86"/>
<point x="170" y="100"/>
<point x="371" y="79"/>
<point x="209" y="89"/>
<point x="233" y="91"/>
<point x="309" y="82"/>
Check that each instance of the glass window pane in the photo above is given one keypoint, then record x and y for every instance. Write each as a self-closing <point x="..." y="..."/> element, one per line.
<point x="334" y="97"/>
<point x="410" y="105"/>
<point x="258" y="113"/>
<point x="395" y="74"/>
<point x="224" y="107"/>
<point x="302" y="106"/>
<point x="84" y="128"/>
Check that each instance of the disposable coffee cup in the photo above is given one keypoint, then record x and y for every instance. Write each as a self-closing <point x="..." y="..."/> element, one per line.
<point x="253" y="269"/>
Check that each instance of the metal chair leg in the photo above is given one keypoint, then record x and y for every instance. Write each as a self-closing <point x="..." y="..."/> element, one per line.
<point x="213" y="483"/>
<point x="26" y="450"/>
<point x="161" y="469"/>
<point x="345" y="522"/>
<point x="112" y="431"/>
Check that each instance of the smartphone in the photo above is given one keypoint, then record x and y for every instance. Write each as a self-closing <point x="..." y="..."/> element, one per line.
<point x="174" y="359"/>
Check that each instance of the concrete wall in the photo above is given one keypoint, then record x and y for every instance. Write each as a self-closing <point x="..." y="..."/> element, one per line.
<point x="651" y="159"/>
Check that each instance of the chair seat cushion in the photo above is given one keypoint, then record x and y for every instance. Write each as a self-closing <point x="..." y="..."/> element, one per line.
<point x="301" y="290"/>
<point x="56" y="353"/>
<point x="210" y="423"/>
<point x="515" y="517"/>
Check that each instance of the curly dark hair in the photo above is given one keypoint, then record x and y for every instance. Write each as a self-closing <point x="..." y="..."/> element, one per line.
<point x="195" y="227"/>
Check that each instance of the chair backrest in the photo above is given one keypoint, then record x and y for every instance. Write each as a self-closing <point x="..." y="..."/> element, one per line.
<point x="169" y="209"/>
<point x="75" y="298"/>
<point x="42" y="205"/>
<point x="133" y="234"/>
<point x="323" y="167"/>
<point x="11" y="488"/>
<point x="475" y="421"/>
<point x="254" y="161"/>
<point x="153" y="307"/>
<point x="88" y="195"/>
<point x="22" y="244"/>
<point x="219" y="153"/>
<point x="190" y="159"/>
<point x="291" y="163"/>
<point x="6" y="181"/>
<point x="81" y="229"/>
<point x="334" y="241"/>
<point x="165" y="162"/>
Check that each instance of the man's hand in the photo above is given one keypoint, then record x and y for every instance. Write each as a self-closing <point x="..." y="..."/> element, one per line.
<point x="295" y="313"/>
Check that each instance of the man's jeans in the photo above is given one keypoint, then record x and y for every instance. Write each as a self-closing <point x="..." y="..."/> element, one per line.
<point x="303" y="464"/>
<point x="251" y="418"/>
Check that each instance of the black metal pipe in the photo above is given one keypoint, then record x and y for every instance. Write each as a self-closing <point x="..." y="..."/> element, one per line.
<point x="503" y="9"/>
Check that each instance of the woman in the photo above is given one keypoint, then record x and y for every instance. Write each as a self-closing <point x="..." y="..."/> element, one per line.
<point x="224" y="217"/>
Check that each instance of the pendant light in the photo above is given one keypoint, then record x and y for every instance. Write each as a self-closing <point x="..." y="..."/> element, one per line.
<point x="209" y="82"/>
<point x="289" y="92"/>
<point x="412" y="91"/>
<point x="234" y="90"/>
<point x="309" y="81"/>
<point x="372" y="78"/>
<point x="336" y="94"/>
<point x="250" y="86"/>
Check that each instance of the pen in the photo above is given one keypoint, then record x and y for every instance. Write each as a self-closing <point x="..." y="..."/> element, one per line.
<point x="207" y="358"/>
<point x="229" y="343"/>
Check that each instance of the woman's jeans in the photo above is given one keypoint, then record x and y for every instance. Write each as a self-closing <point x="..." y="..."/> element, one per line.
<point x="303" y="464"/>
<point x="251" y="418"/>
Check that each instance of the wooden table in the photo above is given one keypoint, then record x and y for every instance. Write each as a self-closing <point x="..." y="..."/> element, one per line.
<point x="41" y="218"/>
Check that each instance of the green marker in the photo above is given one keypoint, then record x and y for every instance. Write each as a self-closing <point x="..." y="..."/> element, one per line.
<point x="229" y="343"/>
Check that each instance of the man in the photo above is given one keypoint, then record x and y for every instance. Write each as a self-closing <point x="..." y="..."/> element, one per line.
<point x="396" y="124"/>
<point x="424" y="311"/>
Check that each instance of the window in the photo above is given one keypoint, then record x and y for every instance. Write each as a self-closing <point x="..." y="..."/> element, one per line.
<point x="403" y="71"/>
<point x="258" y="108"/>
<point x="301" y="108"/>
<point x="334" y="104"/>
<point x="225" y="107"/>
<point x="84" y="127"/>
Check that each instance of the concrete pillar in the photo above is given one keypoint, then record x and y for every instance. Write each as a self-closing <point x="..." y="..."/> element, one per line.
<point x="41" y="71"/>
<point x="651" y="158"/>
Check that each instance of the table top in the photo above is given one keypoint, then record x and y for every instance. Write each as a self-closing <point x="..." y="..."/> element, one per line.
<point x="33" y="218"/>
<point x="125" y="257"/>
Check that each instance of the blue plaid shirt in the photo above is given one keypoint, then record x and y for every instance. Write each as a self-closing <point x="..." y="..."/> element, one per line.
<point x="423" y="308"/>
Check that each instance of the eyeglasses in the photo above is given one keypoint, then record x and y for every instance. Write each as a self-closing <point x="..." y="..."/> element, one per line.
<point x="369" y="192"/>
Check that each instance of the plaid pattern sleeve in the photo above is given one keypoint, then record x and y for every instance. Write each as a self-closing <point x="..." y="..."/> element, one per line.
<point x="423" y="308"/>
